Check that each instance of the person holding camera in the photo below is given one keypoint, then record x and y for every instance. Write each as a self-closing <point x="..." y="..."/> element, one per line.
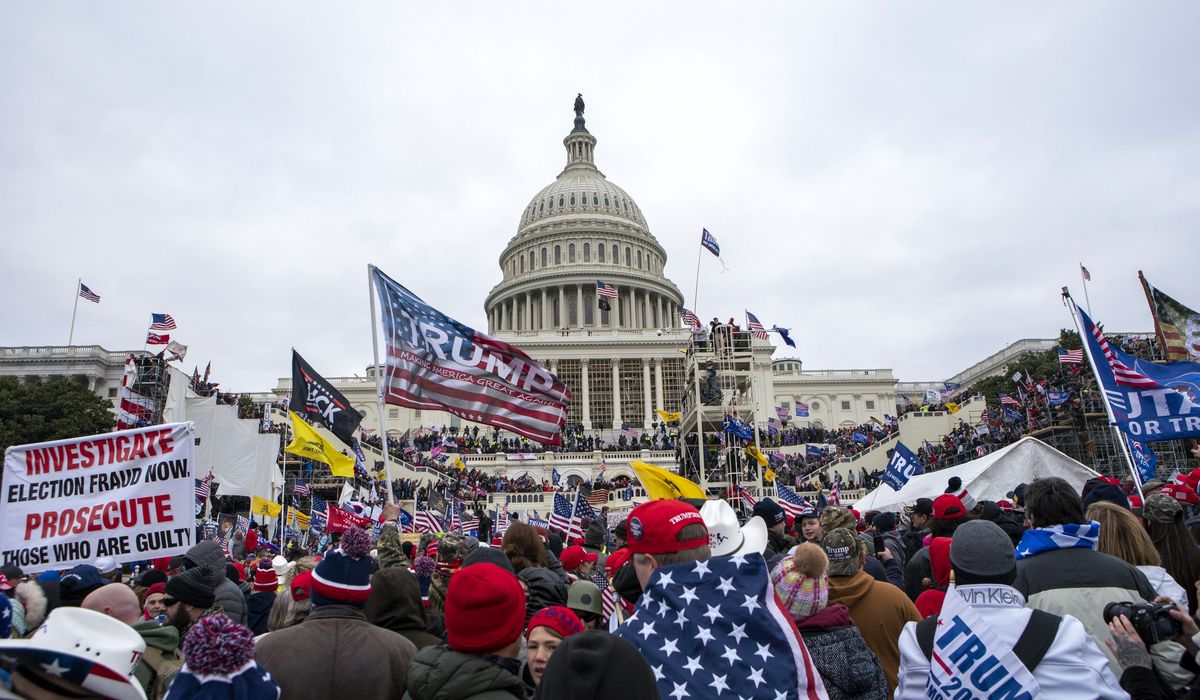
<point x="1136" y="628"/>
<point x="987" y="640"/>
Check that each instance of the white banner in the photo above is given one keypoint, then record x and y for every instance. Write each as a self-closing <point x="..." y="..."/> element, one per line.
<point x="969" y="659"/>
<point x="128" y="495"/>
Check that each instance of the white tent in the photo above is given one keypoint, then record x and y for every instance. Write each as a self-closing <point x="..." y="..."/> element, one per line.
<point x="988" y="478"/>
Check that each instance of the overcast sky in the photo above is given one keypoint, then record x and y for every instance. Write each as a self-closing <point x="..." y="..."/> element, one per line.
<point x="905" y="185"/>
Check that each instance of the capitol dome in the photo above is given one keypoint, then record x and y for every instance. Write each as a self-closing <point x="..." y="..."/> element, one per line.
<point x="576" y="231"/>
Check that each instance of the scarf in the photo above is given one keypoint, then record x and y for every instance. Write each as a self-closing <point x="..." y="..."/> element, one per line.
<point x="1046" y="539"/>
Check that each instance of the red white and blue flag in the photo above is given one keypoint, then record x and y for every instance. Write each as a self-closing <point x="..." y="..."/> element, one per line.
<point x="437" y="363"/>
<point x="162" y="322"/>
<point x="790" y="501"/>
<point x="715" y="628"/>
<point x="746" y="497"/>
<point x="605" y="290"/>
<point x="756" y="328"/>
<point x="690" y="319"/>
<point x="156" y="339"/>
<point x="1070" y="357"/>
<point x="88" y="294"/>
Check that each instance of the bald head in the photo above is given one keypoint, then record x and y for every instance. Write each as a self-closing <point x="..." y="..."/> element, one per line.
<point x="115" y="600"/>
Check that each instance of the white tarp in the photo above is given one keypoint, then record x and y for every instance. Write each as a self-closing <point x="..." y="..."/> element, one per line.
<point x="242" y="460"/>
<point x="988" y="478"/>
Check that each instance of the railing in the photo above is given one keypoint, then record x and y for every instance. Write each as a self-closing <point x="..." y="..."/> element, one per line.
<point x="66" y="351"/>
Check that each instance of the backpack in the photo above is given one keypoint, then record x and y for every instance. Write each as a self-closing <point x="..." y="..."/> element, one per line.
<point x="1030" y="648"/>
<point x="164" y="667"/>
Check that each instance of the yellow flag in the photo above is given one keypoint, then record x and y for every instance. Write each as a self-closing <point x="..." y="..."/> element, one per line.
<point x="756" y="455"/>
<point x="668" y="416"/>
<point x="297" y="518"/>
<point x="769" y="475"/>
<point x="263" y="507"/>
<point x="660" y="483"/>
<point x="458" y="463"/>
<point x="952" y="407"/>
<point x="309" y="444"/>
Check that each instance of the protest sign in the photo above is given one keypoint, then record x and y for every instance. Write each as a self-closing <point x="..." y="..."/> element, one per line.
<point x="340" y="520"/>
<point x="128" y="495"/>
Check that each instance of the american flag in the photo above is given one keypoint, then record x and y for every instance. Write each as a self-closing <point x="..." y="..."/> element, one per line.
<point x="835" y="497"/>
<point x="690" y="319"/>
<point x="483" y="380"/>
<point x="1006" y="400"/>
<point x="773" y="422"/>
<point x="756" y="328"/>
<point x="318" y="506"/>
<point x="202" y="489"/>
<point x="583" y="509"/>
<point x="1123" y="374"/>
<point x="1086" y="275"/>
<point x="88" y="294"/>
<point x="597" y="498"/>
<point x="605" y="290"/>
<point x="608" y="597"/>
<point x="1070" y="357"/>
<point x="629" y="431"/>
<point x="746" y="497"/>
<point x="427" y="521"/>
<point x="162" y="322"/>
<point x="501" y="519"/>
<point x="156" y="339"/>
<point x="561" y="516"/>
<point x="791" y="501"/>
<point x="985" y="416"/>
<point x="455" y="524"/>
<point x="733" y="637"/>
<point x="242" y="525"/>
<point x="300" y="489"/>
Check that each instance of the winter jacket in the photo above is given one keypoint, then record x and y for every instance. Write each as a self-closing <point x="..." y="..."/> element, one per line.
<point x="918" y="570"/>
<point x="1010" y="526"/>
<point x="1166" y="654"/>
<point x="777" y="544"/>
<point x="895" y="544"/>
<point x="395" y="604"/>
<point x="543" y="588"/>
<point x="879" y="611"/>
<point x="165" y="639"/>
<point x="229" y="596"/>
<point x="913" y="541"/>
<point x="847" y="666"/>
<point x="1080" y="582"/>
<point x="336" y="653"/>
<point x="237" y="548"/>
<point x="258" y="609"/>
<point x="390" y="549"/>
<point x="1073" y="667"/>
<point x="438" y="673"/>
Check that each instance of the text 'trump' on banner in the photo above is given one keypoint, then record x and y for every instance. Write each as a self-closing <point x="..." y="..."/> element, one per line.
<point x="127" y="495"/>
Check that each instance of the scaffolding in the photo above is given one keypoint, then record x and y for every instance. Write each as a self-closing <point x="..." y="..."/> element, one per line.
<point x="719" y="384"/>
<point x="151" y="379"/>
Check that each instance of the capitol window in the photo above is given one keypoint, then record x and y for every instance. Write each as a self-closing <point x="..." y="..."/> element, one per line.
<point x="522" y="263"/>
<point x="606" y="200"/>
<point x="628" y="257"/>
<point x="870" y="405"/>
<point x="595" y="200"/>
<point x="557" y="255"/>
<point x="845" y="405"/>
<point x="543" y="257"/>
<point x="572" y="200"/>
<point x="541" y="207"/>
<point x="587" y="252"/>
<point x="571" y="252"/>
<point x="532" y="259"/>
<point x="560" y="200"/>
<point x="639" y="259"/>
<point x="815" y="406"/>
<point x="600" y="251"/>
<point x="616" y="255"/>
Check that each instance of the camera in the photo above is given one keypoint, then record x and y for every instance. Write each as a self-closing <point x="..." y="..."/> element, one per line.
<point x="1152" y="621"/>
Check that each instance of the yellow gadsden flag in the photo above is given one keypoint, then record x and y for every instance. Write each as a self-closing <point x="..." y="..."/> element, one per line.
<point x="769" y="475"/>
<point x="309" y="444"/>
<point x="668" y="416"/>
<point x="265" y="508"/>
<point x="458" y="464"/>
<point x="951" y="407"/>
<point x="753" y="453"/>
<point x="660" y="483"/>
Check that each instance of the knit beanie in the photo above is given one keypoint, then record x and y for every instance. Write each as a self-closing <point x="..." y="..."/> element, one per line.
<point x="265" y="580"/>
<point x="1105" y="492"/>
<point x="485" y="609"/>
<point x="802" y="581"/>
<point x="582" y="669"/>
<point x="344" y="576"/>
<point x="219" y="664"/>
<point x="561" y="619"/>
<point x="193" y="587"/>
<point x="301" y="585"/>
<point x="491" y="555"/>
<point x="981" y="552"/>
<point x="279" y="564"/>
<point x="954" y="486"/>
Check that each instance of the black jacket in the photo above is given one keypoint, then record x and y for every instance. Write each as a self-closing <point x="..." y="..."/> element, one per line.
<point x="438" y="673"/>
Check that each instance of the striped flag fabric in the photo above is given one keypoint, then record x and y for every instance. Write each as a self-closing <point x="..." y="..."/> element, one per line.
<point x="161" y="322"/>
<point x="835" y="495"/>
<point x="1070" y="357"/>
<point x="427" y="521"/>
<point x="756" y="328"/>
<point x="88" y="294"/>
<point x="1123" y="374"/>
<point x="690" y="319"/>
<point x="605" y="290"/>
<point x="560" y="515"/>
<point x="464" y="372"/>
<point x="747" y="498"/>
<point x="300" y="489"/>
<point x="1006" y="400"/>
<point x="597" y="498"/>
<point x="1086" y="275"/>
<point x="790" y="501"/>
<point x="202" y="487"/>
<point x="156" y="339"/>
<point x="608" y="597"/>
<point x="629" y="431"/>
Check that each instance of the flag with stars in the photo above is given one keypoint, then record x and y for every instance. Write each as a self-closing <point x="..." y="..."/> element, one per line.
<point x="715" y="628"/>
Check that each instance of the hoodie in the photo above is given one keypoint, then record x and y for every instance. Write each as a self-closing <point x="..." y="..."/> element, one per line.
<point x="228" y="595"/>
<point x="395" y="604"/>
<point x="880" y="611"/>
<point x="164" y="639"/>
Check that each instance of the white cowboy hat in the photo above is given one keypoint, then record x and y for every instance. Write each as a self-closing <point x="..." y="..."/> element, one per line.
<point x="726" y="537"/>
<point x="84" y="647"/>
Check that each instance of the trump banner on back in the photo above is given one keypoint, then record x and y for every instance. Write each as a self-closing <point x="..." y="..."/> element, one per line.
<point x="437" y="363"/>
<point x="126" y="495"/>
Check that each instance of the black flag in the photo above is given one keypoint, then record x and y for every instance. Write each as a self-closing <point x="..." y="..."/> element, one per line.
<point x="604" y="305"/>
<point x="315" y="400"/>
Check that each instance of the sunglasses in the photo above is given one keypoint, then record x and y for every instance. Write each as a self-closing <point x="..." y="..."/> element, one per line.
<point x="168" y="602"/>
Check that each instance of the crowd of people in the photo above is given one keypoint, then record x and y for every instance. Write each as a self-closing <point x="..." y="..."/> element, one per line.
<point x="1055" y="591"/>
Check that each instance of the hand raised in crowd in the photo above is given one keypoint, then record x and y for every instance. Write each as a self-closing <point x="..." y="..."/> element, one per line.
<point x="391" y="512"/>
<point x="1126" y="645"/>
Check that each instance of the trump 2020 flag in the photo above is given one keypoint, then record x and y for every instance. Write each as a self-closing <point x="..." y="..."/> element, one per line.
<point x="1144" y="459"/>
<point x="901" y="467"/>
<point x="437" y="363"/>
<point x="960" y="639"/>
<point x="715" y="628"/>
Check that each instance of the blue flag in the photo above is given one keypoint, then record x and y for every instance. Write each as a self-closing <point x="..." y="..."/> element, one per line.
<point x="813" y="451"/>
<point x="1058" y="398"/>
<point x="860" y="438"/>
<point x="1149" y="401"/>
<point x="737" y="428"/>
<point x="901" y="467"/>
<point x="710" y="243"/>
<point x="406" y="520"/>
<point x="783" y="333"/>
<point x="555" y="477"/>
<point x="801" y="410"/>
<point x="1011" y="415"/>
<point x="1144" y="459"/>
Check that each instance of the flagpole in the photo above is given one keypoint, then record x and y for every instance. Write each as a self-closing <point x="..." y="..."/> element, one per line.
<point x="1086" y="299"/>
<point x="695" y="292"/>
<point x="78" y="286"/>
<point x="379" y="386"/>
<point x="1112" y="421"/>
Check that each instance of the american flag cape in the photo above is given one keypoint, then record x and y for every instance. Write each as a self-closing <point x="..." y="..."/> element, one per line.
<point x="835" y="497"/>
<point x="427" y="521"/>
<point x="715" y="628"/>
<point x="436" y="363"/>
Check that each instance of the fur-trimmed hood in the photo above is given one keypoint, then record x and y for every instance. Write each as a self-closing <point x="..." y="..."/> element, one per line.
<point x="33" y="600"/>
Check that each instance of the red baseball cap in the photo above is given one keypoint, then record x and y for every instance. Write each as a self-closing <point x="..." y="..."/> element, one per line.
<point x="654" y="527"/>
<point x="575" y="555"/>
<point x="948" y="507"/>
<point x="1181" y="493"/>
<point x="615" y="560"/>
